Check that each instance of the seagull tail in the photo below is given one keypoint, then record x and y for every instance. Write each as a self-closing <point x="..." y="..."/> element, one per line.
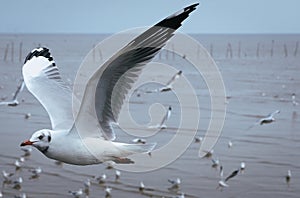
<point x="130" y="149"/>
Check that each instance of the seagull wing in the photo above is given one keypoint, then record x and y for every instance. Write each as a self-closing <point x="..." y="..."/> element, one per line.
<point x="233" y="174"/>
<point x="43" y="80"/>
<point x="108" y="86"/>
<point x="19" y="89"/>
<point x="272" y="114"/>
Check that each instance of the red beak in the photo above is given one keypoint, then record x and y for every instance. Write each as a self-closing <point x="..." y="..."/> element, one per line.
<point x="26" y="142"/>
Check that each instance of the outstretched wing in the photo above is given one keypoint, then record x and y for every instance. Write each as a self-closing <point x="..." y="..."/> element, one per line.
<point x="108" y="87"/>
<point x="43" y="80"/>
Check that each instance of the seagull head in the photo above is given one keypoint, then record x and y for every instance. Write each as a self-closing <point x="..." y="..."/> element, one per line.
<point x="40" y="139"/>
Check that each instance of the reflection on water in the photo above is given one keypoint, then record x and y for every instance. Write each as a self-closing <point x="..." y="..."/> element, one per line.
<point x="256" y="85"/>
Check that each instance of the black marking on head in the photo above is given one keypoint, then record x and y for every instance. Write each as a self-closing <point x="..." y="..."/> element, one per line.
<point x="42" y="51"/>
<point x="49" y="138"/>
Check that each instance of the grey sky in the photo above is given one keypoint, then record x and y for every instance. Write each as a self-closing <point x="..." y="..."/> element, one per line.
<point x="98" y="16"/>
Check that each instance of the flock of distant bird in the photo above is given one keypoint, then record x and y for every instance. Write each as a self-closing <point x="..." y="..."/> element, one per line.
<point x="17" y="182"/>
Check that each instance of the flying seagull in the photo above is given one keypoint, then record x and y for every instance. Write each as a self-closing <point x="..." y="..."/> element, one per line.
<point x="14" y="102"/>
<point x="162" y="124"/>
<point x="266" y="120"/>
<point x="64" y="142"/>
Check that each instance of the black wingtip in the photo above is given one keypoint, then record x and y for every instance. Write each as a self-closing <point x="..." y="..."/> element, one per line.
<point x="174" y="21"/>
<point x="40" y="51"/>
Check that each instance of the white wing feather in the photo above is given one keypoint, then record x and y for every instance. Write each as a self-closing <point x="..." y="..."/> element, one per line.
<point x="43" y="80"/>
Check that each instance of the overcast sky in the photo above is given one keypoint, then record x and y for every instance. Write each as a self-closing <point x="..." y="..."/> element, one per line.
<point x="98" y="16"/>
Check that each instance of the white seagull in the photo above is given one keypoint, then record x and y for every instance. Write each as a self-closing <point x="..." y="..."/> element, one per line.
<point x="162" y="124"/>
<point x="266" y="120"/>
<point x="14" y="102"/>
<point x="93" y="144"/>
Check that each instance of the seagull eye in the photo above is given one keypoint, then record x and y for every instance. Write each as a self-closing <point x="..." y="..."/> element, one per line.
<point x="40" y="137"/>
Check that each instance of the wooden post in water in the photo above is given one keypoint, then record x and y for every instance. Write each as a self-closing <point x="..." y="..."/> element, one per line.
<point x="6" y="52"/>
<point x="285" y="50"/>
<point x="229" y="50"/>
<point x="100" y="55"/>
<point x="272" y="48"/>
<point x="12" y="51"/>
<point x="296" y="48"/>
<point x="239" y="49"/>
<point x="20" y="51"/>
<point x="257" y="49"/>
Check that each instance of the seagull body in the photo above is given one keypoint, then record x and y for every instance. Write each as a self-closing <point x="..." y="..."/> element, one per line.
<point x="269" y="119"/>
<point x="14" y="102"/>
<point x="118" y="175"/>
<point x="7" y="176"/>
<point x="288" y="176"/>
<point x="92" y="142"/>
<point x="142" y="187"/>
<point x="76" y="194"/>
<point x="175" y="183"/>
<point x="242" y="166"/>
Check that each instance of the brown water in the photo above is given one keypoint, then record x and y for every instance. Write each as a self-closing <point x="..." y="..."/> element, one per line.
<point x="257" y="80"/>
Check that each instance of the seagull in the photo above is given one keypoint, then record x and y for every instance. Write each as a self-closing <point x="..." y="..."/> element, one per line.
<point x="180" y="196"/>
<point x="108" y="191"/>
<point x="230" y="144"/>
<point x="198" y="139"/>
<point x="65" y="142"/>
<point x="118" y="175"/>
<point x="22" y="195"/>
<point x="266" y="120"/>
<point x="27" y="151"/>
<point x="101" y="179"/>
<point x="175" y="183"/>
<point x="162" y="124"/>
<point x="7" y="176"/>
<point x="77" y="193"/>
<point x="215" y="163"/>
<point x="242" y="166"/>
<point x="36" y="172"/>
<point x="139" y="141"/>
<point x="169" y="84"/>
<point x="294" y="102"/>
<point x="288" y="176"/>
<point x="222" y="183"/>
<point x="17" y="183"/>
<point x="142" y="187"/>
<point x="14" y="102"/>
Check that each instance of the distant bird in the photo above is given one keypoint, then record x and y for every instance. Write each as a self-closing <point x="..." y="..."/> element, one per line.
<point x="168" y="86"/>
<point x="142" y="187"/>
<point x="230" y="144"/>
<point x="139" y="141"/>
<point x="175" y="183"/>
<point x="36" y="172"/>
<point x="288" y="176"/>
<point x="27" y="151"/>
<point x="198" y="139"/>
<point x="215" y="163"/>
<point x="209" y="153"/>
<point x="294" y="102"/>
<point x="118" y="175"/>
<point x="108" y="192"/>
<point x="87" y="185"/>
<point x="180" y="196"/>
<point x="7" y="176"/>
<point x="266" y="120"/>
<point x="1" y="195"/>
<point x="222" y="183"/>
<point x="18" y="164"/>
<point x="27" y="116"/>
<point x="22" y="195"/>
<point x="242" y="166"/>
<point x="14" y="101"/>
<point x="101" y="179"/>
<point x="17" y="183"/>
<point x="162" y="124"/>
<point x="77" y="193"/>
